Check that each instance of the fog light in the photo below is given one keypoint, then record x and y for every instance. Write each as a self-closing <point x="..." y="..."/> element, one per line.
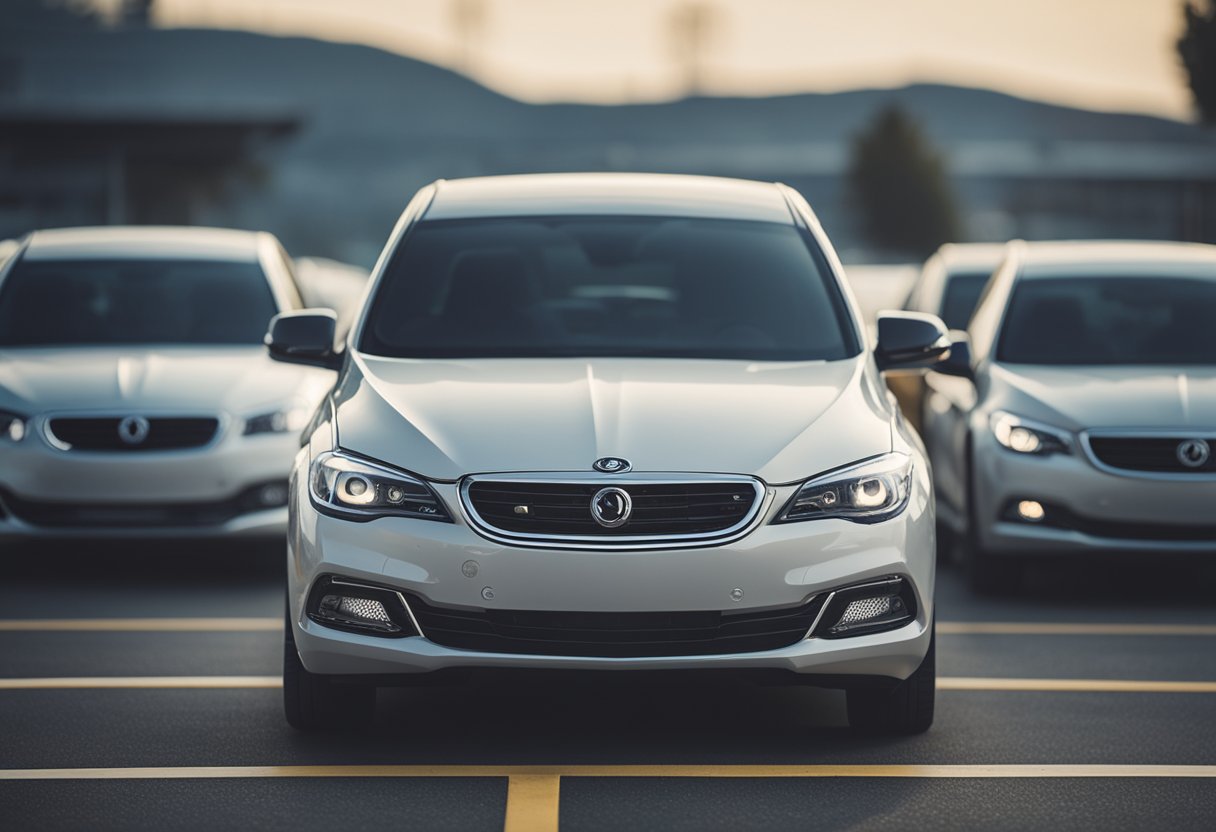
<point x="274" y="494"/>
<point x="363" y="612"/>
<point x="872" y="607"/>
<point x="1031" y="511"/>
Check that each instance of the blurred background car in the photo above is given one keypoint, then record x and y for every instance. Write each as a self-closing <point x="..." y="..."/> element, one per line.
<point x="135" y="396"/>
<point x="1089" y="421"/>
<point x="948" y="286"/>
<point x="329" y="284"/>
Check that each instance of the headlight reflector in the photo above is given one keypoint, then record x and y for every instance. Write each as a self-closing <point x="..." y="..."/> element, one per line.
<point x="867" y="492"/>
<point x="359" y="490"/>
<point x="1025" y="436"/>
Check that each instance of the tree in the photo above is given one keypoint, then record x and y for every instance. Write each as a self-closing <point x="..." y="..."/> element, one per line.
<point x="1197" y="48"/>
<point x="898" y="183"/>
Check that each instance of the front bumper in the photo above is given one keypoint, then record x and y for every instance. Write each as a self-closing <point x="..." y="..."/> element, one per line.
<point x="49" y="493"/>
<point x="1088" y="510"/>
<point x="775" y="566"/>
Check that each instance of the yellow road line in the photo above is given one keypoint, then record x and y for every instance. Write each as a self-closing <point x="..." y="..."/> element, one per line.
<point x="1073" y="685"/>
<point x="950" y="683"/>
<point x="145" y="682"/>
<point x="536" y="783"/>
<point x="1031" y="628"/>
<point x="140" y="625"/>
<point x="532" y="802"/>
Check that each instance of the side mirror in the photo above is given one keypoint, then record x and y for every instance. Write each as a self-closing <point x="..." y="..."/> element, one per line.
<point x="908" y="340"/>
<point x="304" y="337"/>
<point x="958" y="361"/>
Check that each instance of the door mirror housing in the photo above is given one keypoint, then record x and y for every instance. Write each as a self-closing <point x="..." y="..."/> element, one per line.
<point x="958" y="361"/>
<point x="304" y="337"/>
<point x="910" y="340"/>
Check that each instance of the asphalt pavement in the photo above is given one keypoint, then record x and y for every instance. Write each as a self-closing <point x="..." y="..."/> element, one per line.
<point x="138" y="690"/>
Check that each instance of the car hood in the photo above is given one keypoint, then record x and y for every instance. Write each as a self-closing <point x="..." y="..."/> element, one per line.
<point x="1112" y="397"/>
<point x="780" y="421"/>
<point x="200" y="380"/>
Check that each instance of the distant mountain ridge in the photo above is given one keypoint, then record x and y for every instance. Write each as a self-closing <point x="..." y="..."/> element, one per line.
<point x="376" y="125"/>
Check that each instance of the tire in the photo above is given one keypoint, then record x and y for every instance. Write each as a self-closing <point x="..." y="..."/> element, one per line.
<point x="313" y="700"/>
<point x="904" y="709"/>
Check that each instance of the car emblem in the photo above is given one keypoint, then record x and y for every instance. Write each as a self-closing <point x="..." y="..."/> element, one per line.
<point x="1193" y="453"/>
<point x="611" y="465"/>
<point x="611" y="507"/>
<point x="133" y="430"/>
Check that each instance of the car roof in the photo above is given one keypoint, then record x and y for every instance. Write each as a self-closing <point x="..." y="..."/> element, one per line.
<point x="1084" y="256"/>
<point x="972" y="256"/>
<point x="619" y="194"/>
<point x="139" y="242"/>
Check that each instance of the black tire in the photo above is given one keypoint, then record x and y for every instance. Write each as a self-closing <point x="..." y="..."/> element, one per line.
<point x="314" y="700"/>
<point x="904" y="709"/>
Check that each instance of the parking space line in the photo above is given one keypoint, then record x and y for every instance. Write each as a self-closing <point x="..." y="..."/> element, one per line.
<point x="135" y="682"/>
<point x="1034" y="628"/>
<point x="542" y="787"/>
<point x="947" y="683"/>
<point x="140" y="625"/>
<point x="532" y="802"/>
<point x="979" y="683"/>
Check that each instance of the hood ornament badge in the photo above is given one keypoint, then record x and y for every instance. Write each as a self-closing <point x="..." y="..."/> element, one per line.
<point x="611" y="465"/>
<point x="611" y="507"/>
<point x="133" y="430"/>
<point x="1194" y="453"/>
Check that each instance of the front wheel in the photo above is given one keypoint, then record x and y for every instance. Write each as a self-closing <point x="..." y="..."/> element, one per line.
<point x="315" y="700"/>
<point x="905" y="708"/>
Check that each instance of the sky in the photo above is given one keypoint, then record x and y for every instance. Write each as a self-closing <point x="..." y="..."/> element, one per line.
<point x="1099" y="54"/>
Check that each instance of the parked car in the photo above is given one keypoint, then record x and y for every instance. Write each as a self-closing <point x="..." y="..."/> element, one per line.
<point x="614" y="423"/>
<point x="136" y="398"/>
<point x="948" y="286"/>
<point x="1086" y="422"/>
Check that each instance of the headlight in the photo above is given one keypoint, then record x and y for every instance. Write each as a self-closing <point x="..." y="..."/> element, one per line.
<point x="867" y="492"/>
<point x="358" y="490"/>
<point x="12" y="426"/>
<point x="285" y="420"/>
<point x="1024" y="436"/>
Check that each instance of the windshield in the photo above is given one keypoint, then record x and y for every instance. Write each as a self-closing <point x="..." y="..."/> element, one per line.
<point x="607" y="286"/>
<point x="1112" y="320"/>
<point x="962" y="294"/>
<point x="78" y="302"/>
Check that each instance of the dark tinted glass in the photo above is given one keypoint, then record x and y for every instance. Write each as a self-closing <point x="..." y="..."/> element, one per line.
<point x="961" y="296"/>
<point x="64" y="302"/>
<point x="607" y="286"/>
<point x="1118" y="320"/>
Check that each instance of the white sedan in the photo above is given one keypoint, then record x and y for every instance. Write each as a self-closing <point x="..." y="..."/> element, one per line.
<point x="136" y="398"/>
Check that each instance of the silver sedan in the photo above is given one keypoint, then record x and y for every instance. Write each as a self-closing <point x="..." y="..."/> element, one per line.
<point x="1084" y="420"/>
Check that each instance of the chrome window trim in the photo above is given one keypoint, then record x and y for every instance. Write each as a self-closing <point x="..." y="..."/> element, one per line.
<point x="1181" y="434"/>
<point x="758" y="509"/>
<point x="223" y="420"/>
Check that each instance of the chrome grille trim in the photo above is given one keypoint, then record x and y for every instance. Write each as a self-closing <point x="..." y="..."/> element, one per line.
<point x="760" y="503"/>
<point x="1178" y="434"/>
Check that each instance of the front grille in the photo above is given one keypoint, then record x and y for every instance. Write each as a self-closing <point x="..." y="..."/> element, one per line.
<point x="613" y="634"/>
<point x="104" y="434"/>
<point x="67" y="515"/>
<point x="1157" y="454"/>
<point x="539" y="510"/>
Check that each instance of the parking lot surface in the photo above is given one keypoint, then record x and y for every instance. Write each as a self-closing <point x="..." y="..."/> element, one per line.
<point x="139" y="690"/>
